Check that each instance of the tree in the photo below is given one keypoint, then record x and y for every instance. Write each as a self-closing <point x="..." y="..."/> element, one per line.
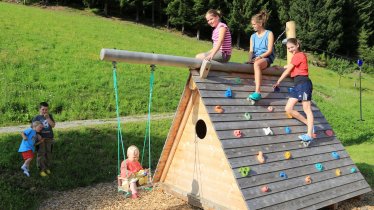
<point x="179" y="12"/>
<point x="236" y="19"/>
<point x="198" y="19"/>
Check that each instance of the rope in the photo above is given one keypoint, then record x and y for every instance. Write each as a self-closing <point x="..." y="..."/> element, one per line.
<point x="119" y="129"/>
<point x="147" y="135"/>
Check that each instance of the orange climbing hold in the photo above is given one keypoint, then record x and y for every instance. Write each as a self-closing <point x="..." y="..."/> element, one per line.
<point x="260" y="157"/>
<point x="289" y="116"/>
<point x="287" y="155"/>
<point x="218" y="109"/>
<point x="308" y="180"/>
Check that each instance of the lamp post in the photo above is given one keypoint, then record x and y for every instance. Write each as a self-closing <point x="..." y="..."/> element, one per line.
<point x="359" y="63"/>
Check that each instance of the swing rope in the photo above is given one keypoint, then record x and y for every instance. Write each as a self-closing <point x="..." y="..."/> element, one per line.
<point x="119" y="129"/>
<point x="147" y="135"/>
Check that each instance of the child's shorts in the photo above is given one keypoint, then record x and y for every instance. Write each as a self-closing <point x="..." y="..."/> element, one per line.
<point x="28" y="154"/>
<point x="303" y="91"/>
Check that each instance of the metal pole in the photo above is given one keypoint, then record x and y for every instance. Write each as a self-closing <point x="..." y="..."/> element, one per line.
<point x="359" y="62"/>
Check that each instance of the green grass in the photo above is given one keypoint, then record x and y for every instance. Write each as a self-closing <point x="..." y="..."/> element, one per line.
<point x="54" y="56"/>
<point x="82" y="156"/>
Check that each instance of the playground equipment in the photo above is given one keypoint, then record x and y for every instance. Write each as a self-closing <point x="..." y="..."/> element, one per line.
<point x="203" y="162"/>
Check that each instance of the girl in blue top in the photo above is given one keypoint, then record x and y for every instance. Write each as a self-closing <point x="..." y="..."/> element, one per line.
<point x="27" y="147"/>
<point x="261" y="53"/>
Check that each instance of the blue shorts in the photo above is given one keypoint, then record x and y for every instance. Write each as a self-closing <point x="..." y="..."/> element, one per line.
<point x="303" y="91"/>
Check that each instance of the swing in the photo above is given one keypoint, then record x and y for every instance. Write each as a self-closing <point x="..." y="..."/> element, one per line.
<point x="144" y="179"/>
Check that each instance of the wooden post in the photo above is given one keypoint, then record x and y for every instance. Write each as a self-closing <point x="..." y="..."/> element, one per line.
<point x="290" y="33"/>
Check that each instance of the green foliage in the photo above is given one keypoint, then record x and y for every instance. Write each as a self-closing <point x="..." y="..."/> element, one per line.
<point x="340" y="66"/>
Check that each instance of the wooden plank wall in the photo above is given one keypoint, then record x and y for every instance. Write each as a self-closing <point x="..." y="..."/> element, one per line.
<point x="291" y="193"/>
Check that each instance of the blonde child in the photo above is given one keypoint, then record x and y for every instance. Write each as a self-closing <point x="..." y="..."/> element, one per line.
<point x="261" y="50"/>
<point x="27" y="147"/>
<point x="302" y="92"/>
<point x="132" y="171"/>
<point x="221" y="38"/>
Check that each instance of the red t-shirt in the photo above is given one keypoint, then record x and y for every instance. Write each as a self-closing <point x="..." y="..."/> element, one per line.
<point x="300" y="63"/>
<point x="132" y="167"/>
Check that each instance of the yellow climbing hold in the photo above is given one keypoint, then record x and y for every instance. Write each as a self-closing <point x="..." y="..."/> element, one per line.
<point x="338" y="172"/>
<point x="287" y="155"/>
<point x="288" y="115"/>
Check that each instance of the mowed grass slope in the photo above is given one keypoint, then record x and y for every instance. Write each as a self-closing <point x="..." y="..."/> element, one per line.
<point x="54" y="56"/>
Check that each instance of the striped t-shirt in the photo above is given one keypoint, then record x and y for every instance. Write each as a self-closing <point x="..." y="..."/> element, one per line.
<point x="226" y="45"/>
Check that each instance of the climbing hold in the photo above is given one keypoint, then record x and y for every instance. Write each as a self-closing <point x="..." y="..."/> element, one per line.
<point x="228" y="93"/>
<point x="290" y="89"/>
<point x="353" y="170"/>
<point x="335" y="155"/>
<point x="308" y="180"/>
<point x="289" y="116"/>
<point x="287" y="155"/>
<point x="338" y="172"/>
<point x="238" y="80"/>
<point x="319" y="166"/>
<point x="218" y="109"/>
<point x="283" y="175"/>
<point x="247" y="116"/>
<point x="265" y="189"/>
<point x="277" y="89"/>
<point x="238" y="133"/>
<point x="268" y="131"/>
<point x="287" y="130"/>
<point x="329" y="132"/>
<point x="270" y="108"/>
<point x="244" y="171"/>
<point x="253" y="102"/>
<point x="260" y="157"/>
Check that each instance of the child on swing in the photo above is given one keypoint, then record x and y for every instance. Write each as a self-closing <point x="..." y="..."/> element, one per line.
<point x="132" y="173"/>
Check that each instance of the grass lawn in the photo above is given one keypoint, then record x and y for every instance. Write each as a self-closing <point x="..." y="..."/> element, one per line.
<point x="53" y="56"/>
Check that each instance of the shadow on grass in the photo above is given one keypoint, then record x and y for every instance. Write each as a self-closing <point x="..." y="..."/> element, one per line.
<point x="363" y="137"/>
<point x="81" y="157"/>
<point x="367" y="171"/>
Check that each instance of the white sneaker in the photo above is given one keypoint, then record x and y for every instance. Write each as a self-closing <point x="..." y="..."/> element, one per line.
<point x="24" y="168"/>
<point x="26" y="173"/>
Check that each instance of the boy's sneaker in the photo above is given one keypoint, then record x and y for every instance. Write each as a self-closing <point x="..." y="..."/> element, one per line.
<point x="48" y="171"/>
<point x="26" y="173"/>
<point x="255" y="96"/>
<point x="305" y="137"/>
<point x="24" y="168"/>
<point x="43" y="174"/>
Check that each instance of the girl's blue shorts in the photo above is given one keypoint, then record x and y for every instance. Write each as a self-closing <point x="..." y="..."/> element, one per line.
<point x="302" y="91"/>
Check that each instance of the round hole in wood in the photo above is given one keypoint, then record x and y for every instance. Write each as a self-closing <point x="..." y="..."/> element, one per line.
<point x="200" y="129"/>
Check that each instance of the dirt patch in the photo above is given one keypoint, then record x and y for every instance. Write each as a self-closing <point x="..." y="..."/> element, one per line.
<point x="105" y="196"/>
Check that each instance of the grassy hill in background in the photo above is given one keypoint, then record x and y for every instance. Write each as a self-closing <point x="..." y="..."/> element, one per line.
<point x="53" y="55"/>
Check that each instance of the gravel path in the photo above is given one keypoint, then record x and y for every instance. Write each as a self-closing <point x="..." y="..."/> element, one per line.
<point x="77" y="123"/>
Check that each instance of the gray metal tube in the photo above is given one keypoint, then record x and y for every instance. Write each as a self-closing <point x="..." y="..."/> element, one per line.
<point x="177" y="61"/>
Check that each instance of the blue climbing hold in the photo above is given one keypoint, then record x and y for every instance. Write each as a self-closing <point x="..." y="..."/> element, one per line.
<point x="283" y="175"/>
<point x="290" y="89"/>
<point x="353" y="170"/>
<point x="335" y="155"/>
<point x="287" y="130"/>
<point x="319" y="166"/>
<point x="228" y="93"/>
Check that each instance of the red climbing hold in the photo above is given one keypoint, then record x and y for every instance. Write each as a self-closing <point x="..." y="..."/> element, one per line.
<point x="238" y="133"/>
<point x="265" y="188"/>
<point x="329" y="132"/>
